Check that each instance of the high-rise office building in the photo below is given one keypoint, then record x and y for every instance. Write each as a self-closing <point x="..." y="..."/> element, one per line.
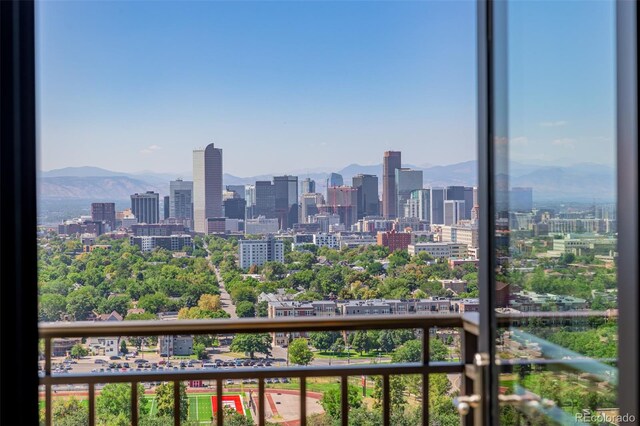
<point x="165" y="200"/>
<point x="265" y="200"/>
<point x="309" y="205"/>
<point x="391" y="162"/>
<point x="207" y="186"/>
<point x="238" y="189"/>
<point x="104" y="212"/>
<point x="521" y="199"/>
<point x="343" y="201"/>
<point x="181" y="199"/>
<point x="437" y="206"/>
<point x="419" y="205"/>
<point x="368" y="202"/>
<point x="454" y="211"/>
<point x="146" y="207"/>
<point x="286" y="192"/>
<point x="308" y="186"/>
<point x="335" y="179"/>
<point x="234" y="208"/>
<point x="407" y="180"/>
<point x="469" y="202"/>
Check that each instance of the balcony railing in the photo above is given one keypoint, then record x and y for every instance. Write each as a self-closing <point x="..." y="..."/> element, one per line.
<point x="467" y="322"/>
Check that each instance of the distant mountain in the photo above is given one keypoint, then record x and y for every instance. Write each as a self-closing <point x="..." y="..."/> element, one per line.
<point x="102" y="188"/>
<point x="85" y="171"/>
<point x="583" y="181"/>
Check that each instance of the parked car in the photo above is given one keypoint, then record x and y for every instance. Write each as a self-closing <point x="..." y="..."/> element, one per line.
<point x="112" y="357"/>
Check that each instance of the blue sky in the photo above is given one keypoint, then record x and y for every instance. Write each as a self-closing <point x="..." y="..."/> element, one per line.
<point x="305" y="86"/>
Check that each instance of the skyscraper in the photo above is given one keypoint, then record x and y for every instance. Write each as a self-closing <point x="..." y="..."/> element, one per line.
<point x="391" y="162"/>
<point x="265" y="200"/>
<point x="308" y="186"/>
<point x="166" y="207"/>
<point x="286" y="203"/>
<point x="309" y="205"/>
<point x="238" y="189"/>
<point x="104" y="212"/>
<point x="368" y="202"/>
<point x="343" y="201"/>
<point x="419" y="205"/>
<point x="207" y="186"/>
<point x="453" y="211"/>
<point x="234" y="208"/>
<point x="146" y="207"/>
<point x="334" y="179"/>
<point x="181" y="199"/>
<point x="461" y="193"/>
<point x="407" y="180"/>
<point x="521" y="199"/>
<point x="437" y="206"/>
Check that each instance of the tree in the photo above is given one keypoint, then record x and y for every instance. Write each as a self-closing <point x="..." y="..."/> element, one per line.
<point x="144" y="316"/>
<point x="385" y="341"/>
<point x="299" y="352"/>
<point x="243" y="293"/>
<point x="411" y="351"/>
<point x="52" y="306"/>
<point x="331" y="402"/>
<point x="322" y="340"/>
<point x="123" y="347"/>
<point x="262" y="309"/>
<point x="68" y="412"/>
<point x="252" y="343"/>
<point x="120" y="304"/>
<point x="245" y="310"/>
<point x="78" y="351"/>
<point x="153" y="303"/>
<point x="274" y="270"/>
<point x="200" y="351"/>
<point x="209" y="302"/>
<point x="233" y="418"/>
<point x="337" y="346"/>
<point x="361" y="341"/>
<point x="437" y="350"/>
<point x="113" y="405"/>
<point x="164" y="400"/>
<point x="81" y="302"/>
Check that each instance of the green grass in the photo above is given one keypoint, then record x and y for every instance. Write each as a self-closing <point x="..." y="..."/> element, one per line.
<point x="200" y="408"/>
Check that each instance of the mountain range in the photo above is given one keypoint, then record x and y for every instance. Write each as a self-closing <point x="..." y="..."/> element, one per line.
<point x="576" y="182"/>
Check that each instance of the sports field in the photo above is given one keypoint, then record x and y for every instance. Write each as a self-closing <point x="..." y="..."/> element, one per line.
<point x="200" y="407"/>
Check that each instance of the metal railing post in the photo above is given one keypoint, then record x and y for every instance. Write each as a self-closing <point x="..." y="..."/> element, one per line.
<point x="303" y="401"/>
<point x="386" y="400"/>
<point x="425" y="375"/>
<point x="134" y="403"/>
<point x="344" y="400"/>
<point x="219" y="391"/>
<point x="261" y="397"/>
<point x="176" y="403"/>
<point x="92" y="404"/>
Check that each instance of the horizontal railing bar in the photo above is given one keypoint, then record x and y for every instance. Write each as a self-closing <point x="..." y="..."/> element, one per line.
<point x="265" y="373"/>
<point x="257" y="325"/>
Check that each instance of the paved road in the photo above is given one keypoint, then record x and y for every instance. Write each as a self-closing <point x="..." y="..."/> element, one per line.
<point x="225" y="299"/>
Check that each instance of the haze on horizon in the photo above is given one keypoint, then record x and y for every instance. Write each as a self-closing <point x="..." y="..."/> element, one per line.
<point x="288" y="87"/>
